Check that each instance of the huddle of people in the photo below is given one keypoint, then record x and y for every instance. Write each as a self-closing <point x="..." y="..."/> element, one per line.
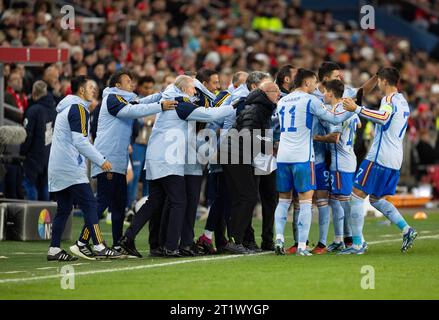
<point x="315" y="115"/>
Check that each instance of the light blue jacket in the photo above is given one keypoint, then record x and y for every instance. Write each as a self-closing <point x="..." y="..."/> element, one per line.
<point x="204" y="97"/>
<point x="118" y="110"/>
<point x="239" y="94"/>
<point x="70" y="144"/>
<point x="167" y="152"/>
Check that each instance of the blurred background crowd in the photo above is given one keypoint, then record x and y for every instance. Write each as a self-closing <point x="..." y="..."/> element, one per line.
<point x="159" y="39"/>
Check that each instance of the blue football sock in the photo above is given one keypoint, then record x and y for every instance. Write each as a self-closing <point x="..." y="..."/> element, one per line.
<point x="391" y="213"/>
<point x="280" y="217"/>
<point x="347" y="216"/>
<point x="337" y="218"/>
<point x="322" y="206"/>
<point x="304" y="221"/>
<point x="357" y="219"/>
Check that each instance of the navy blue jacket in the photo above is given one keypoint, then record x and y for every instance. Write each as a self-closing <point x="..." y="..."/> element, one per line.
<point x="39" y="120"/>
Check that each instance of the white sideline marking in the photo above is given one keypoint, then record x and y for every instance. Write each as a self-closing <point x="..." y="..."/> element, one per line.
<point x="400" y="239"/>
<point x="149" y="266"/>
<point x="157" y="265"/>
<point x="46" y="268"/>
<point x="425" y="232"/>
<point x="26" y="253"/>
<point x="3" y="257"/>
<point x="79" y="264"/>
<point x="12" y="272"/>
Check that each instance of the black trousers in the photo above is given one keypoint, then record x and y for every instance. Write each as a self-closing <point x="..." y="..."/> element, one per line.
<point x="161" y="221"/>
<point x="157" y="224"/>
<point x="220" y="210"/>
<point x="243" y="189"/>
<point x="172" y="188"/>
<point x="112" y="194"/>
<point x="269" y="198"/>
<point x="193" y="189"/>
<point x="82" y="195"/>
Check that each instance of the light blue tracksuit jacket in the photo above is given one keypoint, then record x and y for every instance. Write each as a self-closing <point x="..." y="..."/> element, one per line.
<point x="70" y="144"/>
<point x="118" y="110"/>
<point x="167" y="152"/>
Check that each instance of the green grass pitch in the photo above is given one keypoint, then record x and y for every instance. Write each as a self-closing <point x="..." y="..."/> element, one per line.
<point x="25" y="273"/>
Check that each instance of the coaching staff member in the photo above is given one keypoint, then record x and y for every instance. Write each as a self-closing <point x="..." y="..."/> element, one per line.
<point x="240" y="178"/>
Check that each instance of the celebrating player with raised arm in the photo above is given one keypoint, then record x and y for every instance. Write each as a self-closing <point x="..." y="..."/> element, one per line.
<point x="378" y="174"/>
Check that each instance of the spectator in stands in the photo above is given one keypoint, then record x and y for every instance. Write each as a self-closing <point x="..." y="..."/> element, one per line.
<point x="99" y="77"/>
<point x="39" y="120"/>
<point x="51" y="77"/>
<point x="425" y="148"/>
<point x="14" y="92"/>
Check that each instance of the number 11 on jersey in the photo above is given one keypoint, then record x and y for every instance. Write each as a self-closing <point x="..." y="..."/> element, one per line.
<point x="292" y="113"/>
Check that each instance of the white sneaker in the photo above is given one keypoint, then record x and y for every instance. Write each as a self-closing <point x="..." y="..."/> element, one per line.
<point x="303" y="253"/>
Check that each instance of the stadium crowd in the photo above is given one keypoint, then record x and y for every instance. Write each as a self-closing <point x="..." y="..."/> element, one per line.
<point x="170" y="38"/>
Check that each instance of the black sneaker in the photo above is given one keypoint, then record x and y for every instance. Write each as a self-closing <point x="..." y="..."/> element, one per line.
<point x="128" y="247"/>
<point x="221" y="250"/>
<point x="197" y="250"/>
<point x="267" y="246"/>
<point x="122" y="252"/>
<point x="253" y="247"/>
<point x="171" y="253"/>
<point x="108" y="253"/>
<point x="234" y="248"/>
<point x="61" y="256"/>
<point x="187" y="252"/>
<point x="83" y="251"/>
<point x="157" y="252"/>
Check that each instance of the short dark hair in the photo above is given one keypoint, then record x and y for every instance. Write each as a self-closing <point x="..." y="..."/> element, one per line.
<point x="335" y="86"/>
<point x="145" y="79"/>
<point x="115" y="78"/>
<point x="78" y="66"/>
<point x="283" y="72"/>
<point x="78" y="82"/>
<point x="326" y="69"/>
<point x="301" y="75"/>
<point x="389" y="74"/>
<point x="203" y="75"/>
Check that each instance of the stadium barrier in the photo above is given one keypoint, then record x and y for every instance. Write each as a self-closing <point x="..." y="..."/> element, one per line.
<point x="30" y="220"/>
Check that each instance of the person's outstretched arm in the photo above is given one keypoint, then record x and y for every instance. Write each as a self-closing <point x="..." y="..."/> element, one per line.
<point x="381" y="116"/>
<point x="318" y="109"/>
<point x="119" y="107"/>
<point x="189" y="111"/>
